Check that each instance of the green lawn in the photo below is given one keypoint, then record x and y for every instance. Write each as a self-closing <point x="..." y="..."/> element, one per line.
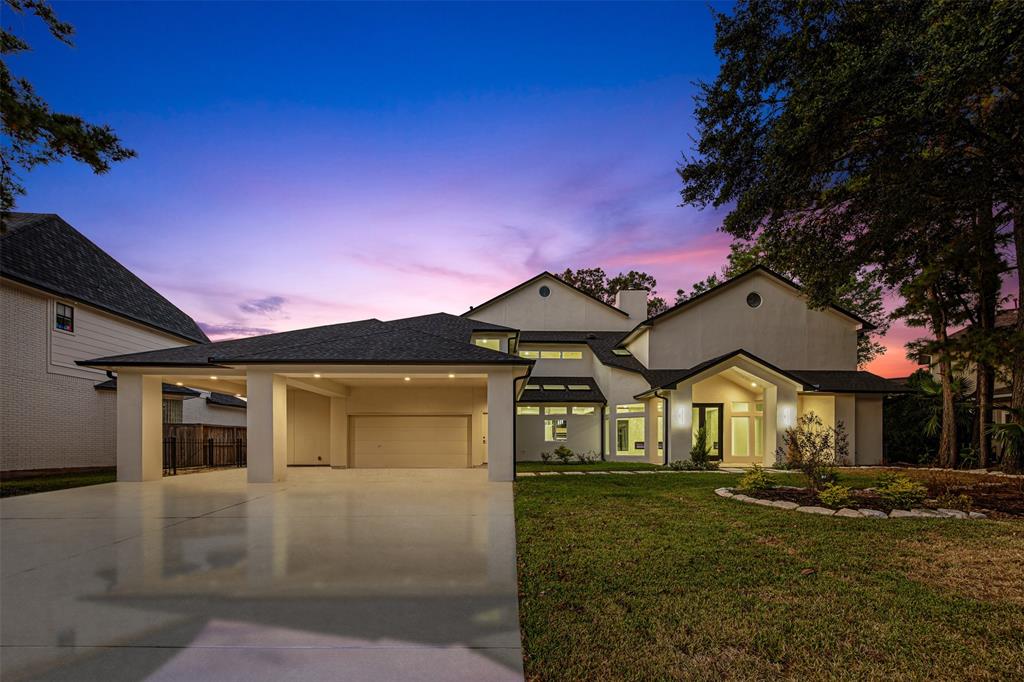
<point x="655" y="577"/>
<point x="42" y="484"/>
<point x="593" y="466"/>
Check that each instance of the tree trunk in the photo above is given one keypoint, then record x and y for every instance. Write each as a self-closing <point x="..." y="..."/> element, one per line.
<point x="1017" y="380"/>
<point x="947" y="437"/>
<point x="987" y="284"/>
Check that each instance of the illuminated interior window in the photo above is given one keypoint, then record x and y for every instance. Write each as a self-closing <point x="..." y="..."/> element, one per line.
<point x="556" y="410"/>
<point x="629" y="436"/>
<point x="551" y="355"/>
<point x="554" y="387"/>
<point x="65" y="318"/>
<point x="532" y="387"/>
<point x="572" y="355"/>
<point x="527" y="409"/>
<point x="630" y="407"/>
<point x="620" y="351"/>
<point x="556" y="430"/>
<point x="580" y="409"/>
<point x="741" y="407"/>
<point x="493" y="344"/>
<point x="579" y="387"/>
<point x="531" y="354"/>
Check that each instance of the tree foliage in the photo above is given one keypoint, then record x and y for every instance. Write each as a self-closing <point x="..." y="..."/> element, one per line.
<point x="880" y="138"/>
<point x="33" y="134"/>
<point x="598" y="284"/>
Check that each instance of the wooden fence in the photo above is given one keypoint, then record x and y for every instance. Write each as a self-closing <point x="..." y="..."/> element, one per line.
<point x="203" y="446"/>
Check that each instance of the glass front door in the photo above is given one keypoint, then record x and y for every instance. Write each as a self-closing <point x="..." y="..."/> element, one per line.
<point x="709" y="415"/>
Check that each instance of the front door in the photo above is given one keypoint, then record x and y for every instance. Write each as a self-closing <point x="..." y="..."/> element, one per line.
<point x="709" y="416"/>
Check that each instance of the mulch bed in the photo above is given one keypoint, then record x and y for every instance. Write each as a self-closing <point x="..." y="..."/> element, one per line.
<point x="997" y="499"/>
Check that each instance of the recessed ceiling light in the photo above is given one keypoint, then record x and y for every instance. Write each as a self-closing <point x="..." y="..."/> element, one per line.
<point x="238" y="395"/>
<point x="408" y="378"/>
<point x="214" y="378"/>
<point x="178" y="383"/>
<point x="753" y="383"/>
<point x="451" y="376"/>
<point x="316" y="376"/>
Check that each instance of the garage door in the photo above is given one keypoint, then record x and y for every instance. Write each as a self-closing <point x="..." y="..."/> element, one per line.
<point x="408" y="441"/>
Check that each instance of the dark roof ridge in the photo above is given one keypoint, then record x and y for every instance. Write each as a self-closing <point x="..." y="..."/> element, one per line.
<point x="355" y="335"/>
<point x="533" y="279"/>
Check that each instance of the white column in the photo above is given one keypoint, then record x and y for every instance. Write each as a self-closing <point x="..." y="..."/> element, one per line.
<point x="339" y="433"/>
<point x="680" y="433"/>
<point x="785" y="414"/>
<point x="651" y="435"/>
<point x="771" y="424"/>
<point x="139" y="427"/>
<point x="501" y="462"/>
<point x="267" y="426"/>
<point x="846" y="412"/>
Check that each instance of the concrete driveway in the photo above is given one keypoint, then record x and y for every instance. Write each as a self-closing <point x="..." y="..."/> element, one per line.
<point x="354" y="575"/>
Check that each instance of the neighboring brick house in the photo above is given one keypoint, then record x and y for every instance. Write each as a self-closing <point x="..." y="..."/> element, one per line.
<point x="64" y="299"/>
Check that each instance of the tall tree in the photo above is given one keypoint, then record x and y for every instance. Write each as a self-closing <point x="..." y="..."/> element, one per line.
<point x="596" y="282"/>
<point x="33" y="134"/>
<point x="849" y="135"/>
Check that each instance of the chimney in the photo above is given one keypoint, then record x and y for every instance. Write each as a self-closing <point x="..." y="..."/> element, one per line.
<point x="633" y="302"/>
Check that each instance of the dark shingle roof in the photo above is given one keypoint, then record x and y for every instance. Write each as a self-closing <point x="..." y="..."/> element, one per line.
<point x="225" y="400"/>
<point x="849" y="381"/>
<point x="167" y="389"/>
<point x="541" y="395"/>
<point x="668" y="378"/>
<point x="43" y="251"/>
<point x="363" y="342"/>
<point x="1004" y="320"/>
<point x="449" y="326"/>
<point x="601" y="345"/>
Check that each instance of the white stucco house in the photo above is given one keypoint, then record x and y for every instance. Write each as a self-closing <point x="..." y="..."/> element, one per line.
<point x="538" y="366"/>
<point x="63" y="299"/>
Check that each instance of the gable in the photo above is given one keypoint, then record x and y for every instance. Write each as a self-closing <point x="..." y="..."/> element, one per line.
<point x="563" y="308"/>
<point x="782" y="329"/>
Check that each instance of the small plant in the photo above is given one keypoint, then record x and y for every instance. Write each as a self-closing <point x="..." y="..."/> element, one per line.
<point x="814" y="449"/>
<point x="700" y="453"/>
<point x="833" y="495"/>
<point x="950" y="501"/>
<point x="545" y="456"/>
<point x="563" y="454"/>
<point x="586" y="457"/>
<point x="690" y="465"/>
<point x="756" y="480"/>
<point x="902" y="493"/>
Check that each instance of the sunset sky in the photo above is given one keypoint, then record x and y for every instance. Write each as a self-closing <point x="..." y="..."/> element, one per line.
<point x="305" y="164"/>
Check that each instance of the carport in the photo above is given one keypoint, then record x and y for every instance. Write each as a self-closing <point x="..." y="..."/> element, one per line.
<point x="370" y="394"/>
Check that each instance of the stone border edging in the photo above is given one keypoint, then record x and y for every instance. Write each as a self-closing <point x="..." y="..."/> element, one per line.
<point x="852" y="513"/>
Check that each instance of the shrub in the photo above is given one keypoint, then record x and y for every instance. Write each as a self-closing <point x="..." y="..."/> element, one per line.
<point x="834" y="495"/>
<point x="814" y="449"/>
<point x="690" y="465"/>
<point x="755" y="480"/>
<point x="586" y="457"/>
<point x="950" y="501"/>
<point x="563" y="454"/>
<point x="545" y="456"/>
<point x="700" y="453"/>
<point x="902" y="493"/>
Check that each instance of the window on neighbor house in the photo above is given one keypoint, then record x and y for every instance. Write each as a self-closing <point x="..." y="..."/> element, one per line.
<point x="65" y="318"/>
<point x="527" y="409"/>
<point x="172" y="411"/>
<point x="556" y="430"/>
<point x="556" y="410"/>
<point x="529" y="354"/>
<point x="493" y="344"/>
<point x="580" y="409"/>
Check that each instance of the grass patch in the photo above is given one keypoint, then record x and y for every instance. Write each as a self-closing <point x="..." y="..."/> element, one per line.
<point x="42" y="484"/>
<point x="655" y="577"/>
<point x="591" y="466"/>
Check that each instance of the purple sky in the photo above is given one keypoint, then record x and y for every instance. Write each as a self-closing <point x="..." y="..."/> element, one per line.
<point x="305" y="164"/>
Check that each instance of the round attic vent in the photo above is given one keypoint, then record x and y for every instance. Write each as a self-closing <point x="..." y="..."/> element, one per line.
<point x="754" y="299"/>
<point x="544" y="291"/>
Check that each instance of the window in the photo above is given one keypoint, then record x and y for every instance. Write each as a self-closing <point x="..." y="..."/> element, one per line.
<point x="579" y="387"/>
<point x="572" y="355"/>
<point x="544" y="292"/>
<point x="532" y="387"/>
<point x="551" y="355"/>
<point x="493" y="344"/>
<point x="629" y="436"/>
<point x="740" y="436"/>
<point x="758" y="407"/>
<point x="527" y="409"/>
<point x="754" y="299"/>
<point x="620" y="351"/>
<point x="554" y="387"/>
<point x="172" y="411"/>
<point x="741" y="407"/>
<point x="556" y="430"/>
<point x="631" y="407"/>
<point x="65" y="318"/>
<point x="560" y="354"/>
<point x="579" y="409"/>
<point x="531" y="354"/>
<point x="556" y="410"/>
